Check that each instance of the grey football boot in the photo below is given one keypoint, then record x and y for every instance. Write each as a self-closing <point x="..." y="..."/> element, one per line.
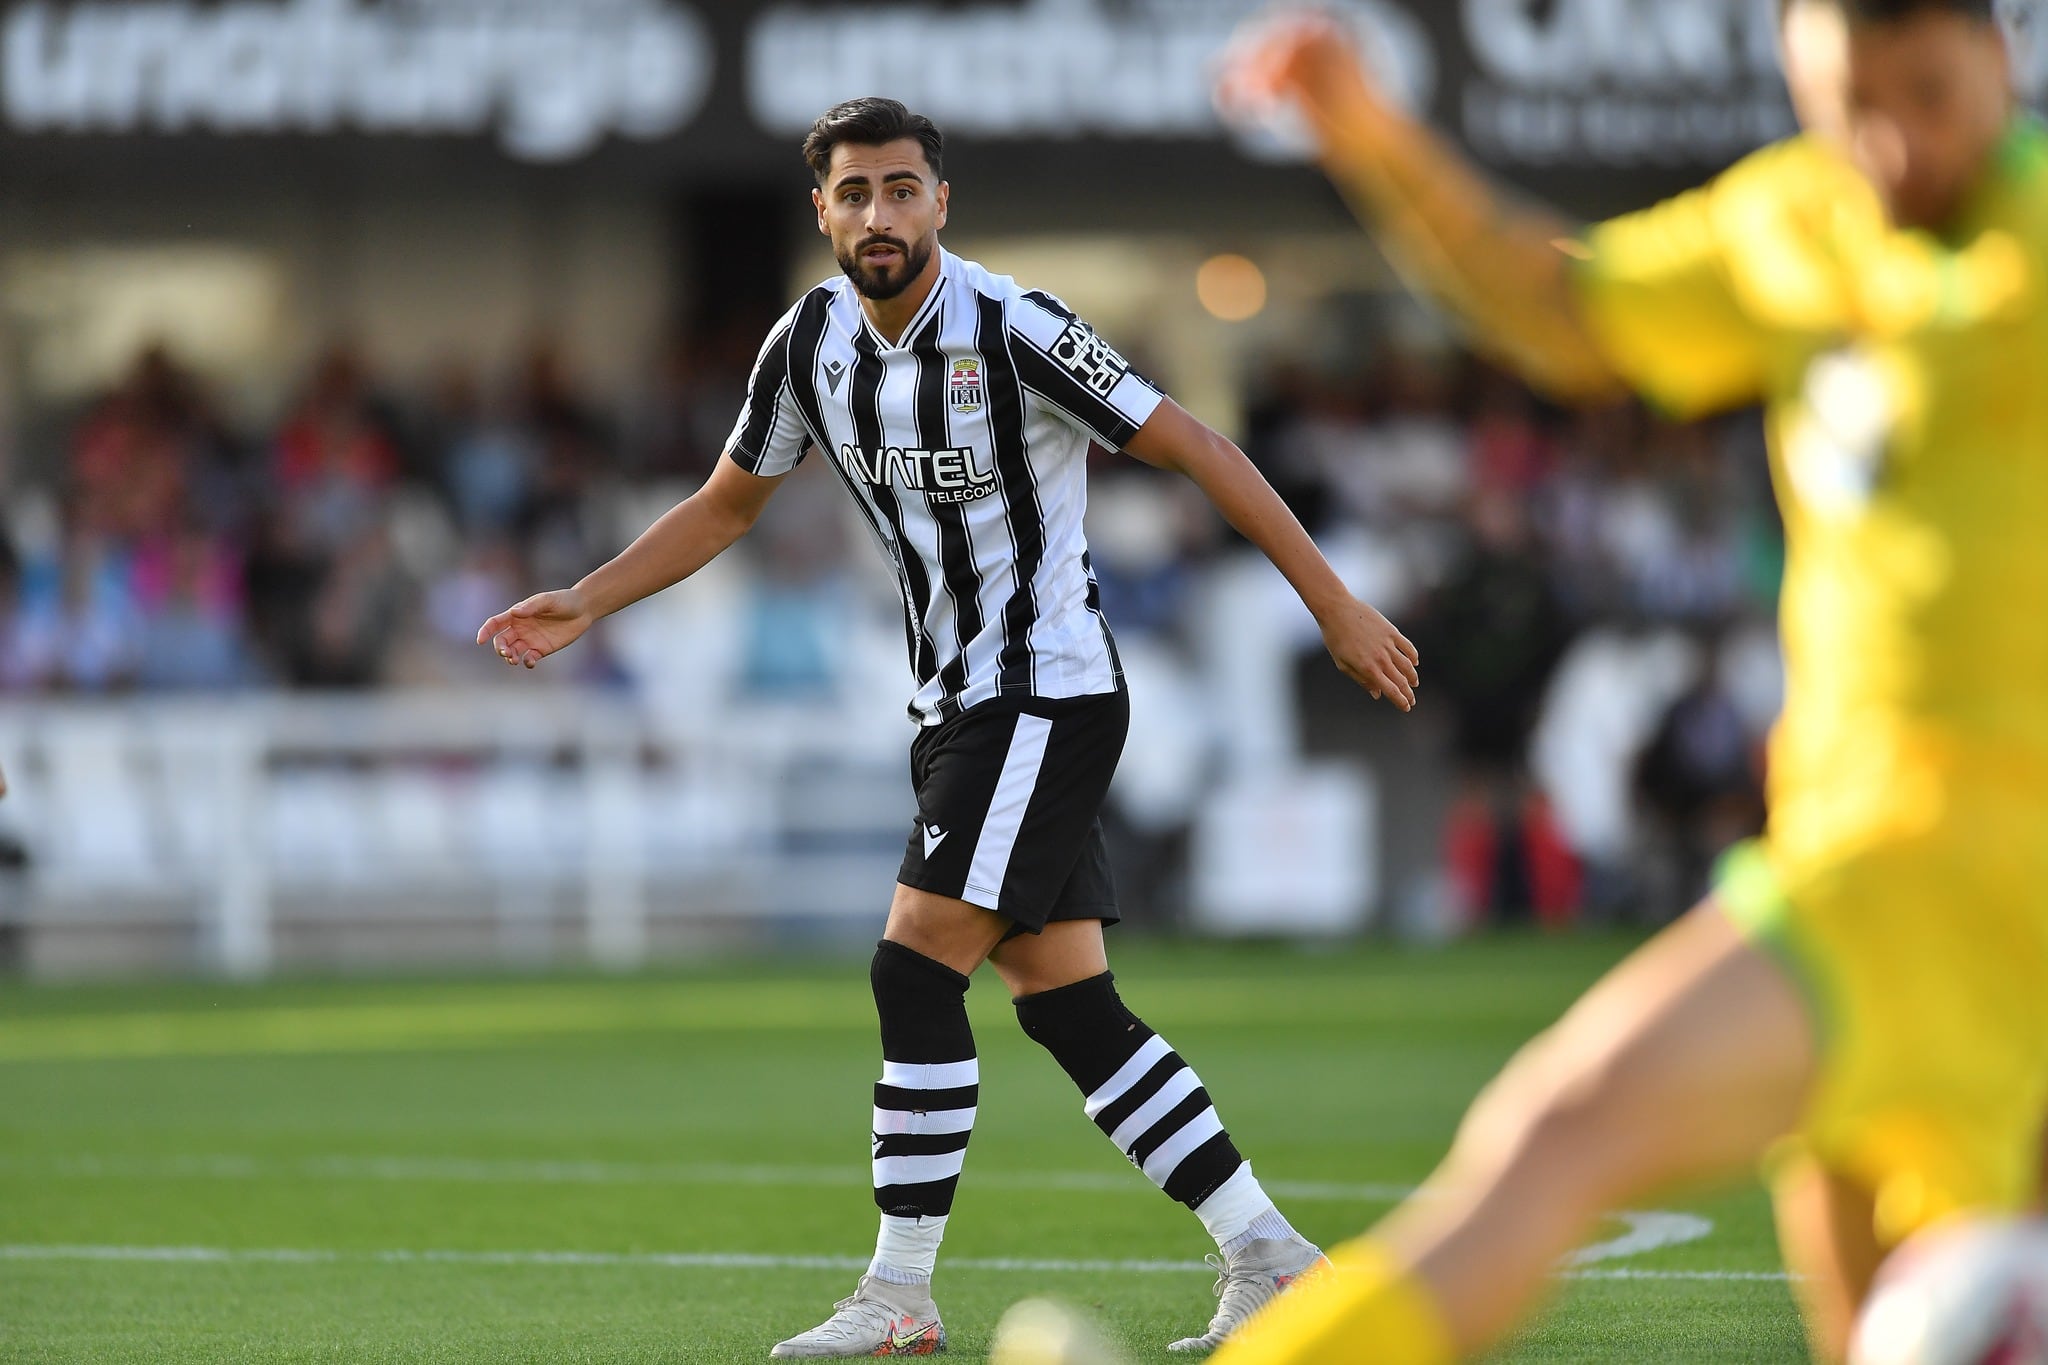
<point x="878" y="1319"/>
<point x="1250" y="1280"/>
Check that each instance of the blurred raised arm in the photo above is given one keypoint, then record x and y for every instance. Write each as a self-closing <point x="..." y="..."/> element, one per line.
<point x="1502" y="266"/>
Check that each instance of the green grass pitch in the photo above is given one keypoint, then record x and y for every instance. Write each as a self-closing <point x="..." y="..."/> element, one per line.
<point x="562" y="1168"/>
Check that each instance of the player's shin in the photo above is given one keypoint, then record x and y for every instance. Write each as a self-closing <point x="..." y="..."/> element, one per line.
<point x="1153" y="1107"/>
<point x="924" y="1108"/>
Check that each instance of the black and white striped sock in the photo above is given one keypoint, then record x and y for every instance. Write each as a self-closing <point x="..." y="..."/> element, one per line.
<point x="924" y="1107"/>
<point x="1153" y="1106"/>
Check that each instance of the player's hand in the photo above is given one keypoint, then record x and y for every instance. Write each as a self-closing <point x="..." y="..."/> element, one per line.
<point x="1301" y="61"/>
<point x="532" y="630"/>
<point x="1372" y="653"/>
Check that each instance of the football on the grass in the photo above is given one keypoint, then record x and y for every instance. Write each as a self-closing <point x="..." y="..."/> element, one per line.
<point x="1972" y="1292"/>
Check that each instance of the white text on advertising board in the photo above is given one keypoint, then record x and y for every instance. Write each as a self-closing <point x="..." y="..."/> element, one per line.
<point x="552" y="80"/>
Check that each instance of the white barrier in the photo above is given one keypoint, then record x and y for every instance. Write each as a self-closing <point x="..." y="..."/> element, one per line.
<point x="221" y="820"/>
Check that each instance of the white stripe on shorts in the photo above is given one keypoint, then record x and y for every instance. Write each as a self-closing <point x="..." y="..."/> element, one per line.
<point x="991" y="865"/>
<point x="931" y="1075"/>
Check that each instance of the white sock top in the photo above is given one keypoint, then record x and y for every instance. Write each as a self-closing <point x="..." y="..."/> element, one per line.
<point x="907" y="1249"/>
<point x="1236" y="1204"/>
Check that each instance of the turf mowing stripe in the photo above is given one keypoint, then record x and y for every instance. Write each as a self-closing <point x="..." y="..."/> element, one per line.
<point x="694" y="1261"/>
<point x="1647" y="1230"/>
<point x="580" y="1172"/>
<point x="471" y="1017"/>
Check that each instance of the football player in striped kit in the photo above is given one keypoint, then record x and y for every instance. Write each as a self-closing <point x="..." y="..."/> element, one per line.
<point x="958" y="408"/>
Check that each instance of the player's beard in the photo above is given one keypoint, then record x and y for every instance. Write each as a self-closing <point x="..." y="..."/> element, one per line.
<point x="884" y="283"/>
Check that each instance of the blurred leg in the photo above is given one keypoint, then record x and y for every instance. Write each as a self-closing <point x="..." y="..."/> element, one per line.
<point x="1686" y="1062"/>
<point x="1826" y="1226"/>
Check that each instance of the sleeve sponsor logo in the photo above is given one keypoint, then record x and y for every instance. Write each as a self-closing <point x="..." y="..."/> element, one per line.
<point x="1090" y="359"/>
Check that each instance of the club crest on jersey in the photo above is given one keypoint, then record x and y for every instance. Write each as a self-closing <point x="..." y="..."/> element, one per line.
<point x="965" y="386"/>
<point x="943" y="476"/>
<point x="1093" y="360"/>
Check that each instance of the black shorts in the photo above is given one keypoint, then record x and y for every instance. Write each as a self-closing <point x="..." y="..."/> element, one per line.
<point x="1008" y="795"/>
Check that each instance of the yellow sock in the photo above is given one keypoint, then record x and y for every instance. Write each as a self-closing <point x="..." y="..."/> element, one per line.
<point x="1364" y="1308"/>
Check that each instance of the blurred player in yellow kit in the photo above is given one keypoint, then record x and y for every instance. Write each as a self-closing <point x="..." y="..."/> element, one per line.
<point x="1864" y="1000"/>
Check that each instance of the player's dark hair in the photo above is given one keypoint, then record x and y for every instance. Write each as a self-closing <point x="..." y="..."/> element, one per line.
<point x="1891" y="11"/>
<point x="870" y="121"/>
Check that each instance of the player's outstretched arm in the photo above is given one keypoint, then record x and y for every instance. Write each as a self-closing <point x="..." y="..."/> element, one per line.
<point x="686" y="538"/>
<point x="1503" y="267"/>
<point x="1364" y="643"/>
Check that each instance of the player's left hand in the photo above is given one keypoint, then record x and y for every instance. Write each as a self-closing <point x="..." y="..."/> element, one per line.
<point x="529" y="631"/>
<point x="1372" y="653"/>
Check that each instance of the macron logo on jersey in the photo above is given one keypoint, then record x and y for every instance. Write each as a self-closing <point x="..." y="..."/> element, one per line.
<point x="943" y="476"/>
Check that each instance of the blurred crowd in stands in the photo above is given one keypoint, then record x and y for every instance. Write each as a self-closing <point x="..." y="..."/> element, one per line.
<point x="1591" y="592"/>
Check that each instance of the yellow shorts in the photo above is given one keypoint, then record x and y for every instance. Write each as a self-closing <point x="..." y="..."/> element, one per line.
<point x="1925" y="960"/>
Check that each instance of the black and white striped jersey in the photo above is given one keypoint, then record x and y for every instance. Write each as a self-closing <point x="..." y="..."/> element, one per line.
<point x="965" y="446"/>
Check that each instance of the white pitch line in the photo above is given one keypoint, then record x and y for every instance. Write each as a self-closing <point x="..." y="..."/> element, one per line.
<point x="1647" y="1230"/>
<point x="1763" y="1276"/>
<point x="660" y="1260"/>
<point x="467" y="1170"/>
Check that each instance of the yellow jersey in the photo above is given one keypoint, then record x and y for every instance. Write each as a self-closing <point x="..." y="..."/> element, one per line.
<point x="1906" y="383"/>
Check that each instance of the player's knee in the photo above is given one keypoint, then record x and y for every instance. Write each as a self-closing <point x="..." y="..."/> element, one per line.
<point x="898" y="973"/>
<point x="1065" y="1018"/>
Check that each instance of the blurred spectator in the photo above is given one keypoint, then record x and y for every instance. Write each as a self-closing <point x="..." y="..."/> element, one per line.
<point x="488" y="458"/>
<point x="333" y="460"/>
<point x="485" y="582"/>
<point x="1491" y="636"/>
<point x="352" y="618"/>
<point x="75" y="626"/>
<point x="677" y="428"/>
<point x="150" y="455"/>
<point x="190" y="600"/>
<point x="1492" y="633"/>
<point x="1700" y="781"/>
<point x="1420" y="452"/>
<point x="799" y="606"/>
<point x="1512" y="455"/>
